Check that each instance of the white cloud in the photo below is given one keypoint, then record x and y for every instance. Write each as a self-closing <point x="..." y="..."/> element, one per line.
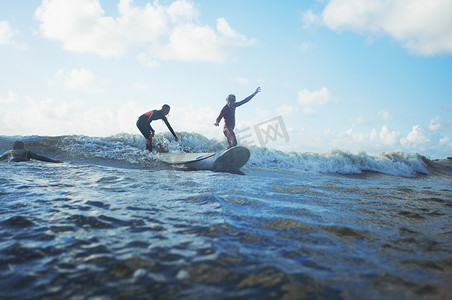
<point x="47" y="116"/>
<point x="53" y="117"/>
<point x="286" y="110"/>
<point x="415" y="139"/>
<point x="6" y="34"/>
<point x="242" y="80"/>
<point x="229" y="35"/>
<point x="375" y="140"/>
<point x="385" y="136"/>
<point x="139" y="86"/>
<point x="384" y="116"/>
<point x="306" y="47"/>
<point x="190" y="42"/>
<point x="422" y="26"/>
<point x="262" y="113"/>
<point x="182" y="11"/>
<point x="309" y="18"/>
<point x="11" y="98"/>
<point x="81" y="26"/>
<point x="79" y="79"/>
<point x="439" y="125"/>
<point x="140" y="25"/>
<point x="359" y="121"/>
<point x="163" y="32"/>
<point x="435" y="124"/>
<point x="309" y="99"/>
<point x="194" y="119"/>
<point x="381" y="116"/>
<point x="148" y="60"/>
<point x="445" y="141"/>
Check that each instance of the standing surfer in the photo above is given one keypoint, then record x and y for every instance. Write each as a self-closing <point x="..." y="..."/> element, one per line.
<point x="144" y="124"/>
<point x="228" y="113"/>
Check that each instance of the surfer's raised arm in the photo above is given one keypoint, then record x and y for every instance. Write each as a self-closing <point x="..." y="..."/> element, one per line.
<point x="247" y="99"/>
<point x="231" y="103"/>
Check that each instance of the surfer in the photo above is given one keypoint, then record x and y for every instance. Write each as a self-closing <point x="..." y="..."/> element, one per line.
<point x="19" y="153"/>
<point x="144" y="124"/>
<point x="228" y="113"/>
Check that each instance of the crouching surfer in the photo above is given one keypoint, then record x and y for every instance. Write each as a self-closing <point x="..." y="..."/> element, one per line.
<point x="144" y="124"/>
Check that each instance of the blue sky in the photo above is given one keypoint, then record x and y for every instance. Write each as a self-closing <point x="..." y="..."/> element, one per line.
<point x="373" y="76"/>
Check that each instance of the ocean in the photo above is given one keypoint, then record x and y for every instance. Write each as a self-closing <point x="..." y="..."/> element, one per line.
<point x="113" y="222"/>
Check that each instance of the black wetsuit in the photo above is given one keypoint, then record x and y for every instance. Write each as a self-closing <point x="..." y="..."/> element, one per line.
<point x="23" y="155"/>
<point x="228" y="113"/>
<point x="144" y="125"/>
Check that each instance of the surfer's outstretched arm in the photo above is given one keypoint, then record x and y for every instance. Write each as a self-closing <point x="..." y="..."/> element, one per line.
<point x="43" y="158"/>
<point x="170" y="128"/>
<point x="248" y="98"/>
<point x="5" y="155"/>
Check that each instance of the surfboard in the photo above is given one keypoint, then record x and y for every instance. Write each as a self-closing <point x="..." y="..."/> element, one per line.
<point x="232" y="159"/>
<point x="183" y="158"/>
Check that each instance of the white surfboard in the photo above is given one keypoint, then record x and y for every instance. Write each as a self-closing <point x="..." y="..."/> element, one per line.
<point x="183" y="158"/>
<point x="232" y="159"/>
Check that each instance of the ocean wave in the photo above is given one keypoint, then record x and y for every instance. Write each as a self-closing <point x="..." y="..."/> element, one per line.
<point x="128" y="149"/>
<point x="342" y="162"/>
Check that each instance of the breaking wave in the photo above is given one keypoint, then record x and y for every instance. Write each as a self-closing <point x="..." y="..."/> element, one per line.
<point x="128" y="150"/>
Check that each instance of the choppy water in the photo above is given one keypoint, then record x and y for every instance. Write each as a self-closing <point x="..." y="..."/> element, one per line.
<point x="114" y="223"/>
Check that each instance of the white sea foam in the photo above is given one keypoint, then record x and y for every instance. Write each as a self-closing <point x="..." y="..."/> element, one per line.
<point x="337" y="161"/>
<point x="130" y="148"/>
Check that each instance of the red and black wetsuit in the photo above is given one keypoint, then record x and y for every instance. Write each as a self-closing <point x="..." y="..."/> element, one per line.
<point x="144" y="125"/>
<point x="228" y="113"/>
